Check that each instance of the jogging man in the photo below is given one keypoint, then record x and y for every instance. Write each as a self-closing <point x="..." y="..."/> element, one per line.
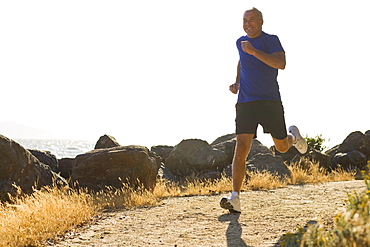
<point x="261" y="55"/>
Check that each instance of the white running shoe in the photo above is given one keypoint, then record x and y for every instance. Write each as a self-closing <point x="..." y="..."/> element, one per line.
<point x="232" y="203"/>
<point x="300" y="143"/>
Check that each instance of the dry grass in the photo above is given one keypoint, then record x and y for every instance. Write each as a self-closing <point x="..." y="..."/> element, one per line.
<point x="265" y="180"/>
<point x="308" y="172"/>
<point x="32" y="220"/>
<point x="46" y="214"/>
<point x="124" y="197"/>
<point x="192" y="186"/>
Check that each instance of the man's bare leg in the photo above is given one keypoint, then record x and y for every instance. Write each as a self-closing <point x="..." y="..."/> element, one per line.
<point x="242" y="148"/>
<point x="294" y="138"/>
<point x="283" y="145"/>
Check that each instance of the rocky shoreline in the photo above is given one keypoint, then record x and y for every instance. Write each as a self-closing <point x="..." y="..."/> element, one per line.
<point x="111" y="164"/>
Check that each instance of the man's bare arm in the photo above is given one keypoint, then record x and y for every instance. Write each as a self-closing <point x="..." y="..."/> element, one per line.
<point x="275" y="60"/>
<point x="234" y="88"/>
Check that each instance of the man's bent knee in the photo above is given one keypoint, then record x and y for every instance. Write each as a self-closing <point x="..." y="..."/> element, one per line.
<point x="282" y="145"/>
<point x="282" y="149"/>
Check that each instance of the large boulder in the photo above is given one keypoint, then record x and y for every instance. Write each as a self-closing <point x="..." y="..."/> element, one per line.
<point x="9" y="189"/>
<point x="322" y="158"/>
<point x="223" y="138"/>
<point x="352" y="153"/>
<point x="226" y="144"/>
<point x="332" y="151"/>
<point x="165" y="173"/>
<point x="292" y="155"/>
<point x="356" y="141"/>
<point x="351" y="160"/>
<point x="113" y="167"/>
<point x="65" y="167"/>
<point x="47" y="158"/>
<point x="267" y="162"/>
<point x="162" y="150"/>
<point x="258" y="148"/>
<point x="106" y="141"/>
<point x="195" y="156"/>
<point x="21" y="172"/>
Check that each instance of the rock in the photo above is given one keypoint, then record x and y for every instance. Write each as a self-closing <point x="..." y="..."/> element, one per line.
<point x="356" y="141"/>
<point x="195" y="156"/>
<point x="132" y="165"/>
<point x="313" y="155"/>
<point x="165" y="173"/>
<point x="213" y="175"/>
<point x="292" y="155"/>
<point x="223" y="138"/>
<point x="226" y="143"/>
<point x="258" y="148"/>
<point x="162" y="151"/>
<point x="65" y="167"/>
<point x="323" y="159"/>
<point x="21" y="172"/>
<point x="47" y="158"/>
<point x="8" y="190"/>
<point x="332" y="151"/>
<point x="106" y="141"/>
<point x="352" y="142"/>
<point x="228" y="171"/>
<point x="351" y="160"/>
<point x="340" y="159"/>
<point x="268" y="162"/>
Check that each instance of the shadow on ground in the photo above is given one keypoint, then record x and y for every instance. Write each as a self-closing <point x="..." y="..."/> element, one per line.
<point x="234" y="230"/>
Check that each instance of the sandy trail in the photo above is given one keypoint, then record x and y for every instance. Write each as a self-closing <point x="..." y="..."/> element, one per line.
<point x="199" y="221"/>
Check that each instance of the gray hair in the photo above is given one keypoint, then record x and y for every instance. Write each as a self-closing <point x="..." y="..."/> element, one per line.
<point x="256" y="10"/>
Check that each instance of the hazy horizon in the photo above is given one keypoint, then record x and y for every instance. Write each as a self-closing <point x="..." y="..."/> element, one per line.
<point x="19" y="132"/>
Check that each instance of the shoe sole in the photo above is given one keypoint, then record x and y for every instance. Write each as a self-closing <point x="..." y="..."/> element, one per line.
<point x="305" y="148"/>
<point x="227" y="205"/>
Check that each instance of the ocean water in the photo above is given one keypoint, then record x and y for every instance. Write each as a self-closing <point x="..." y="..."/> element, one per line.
<point x="60" y="148"/>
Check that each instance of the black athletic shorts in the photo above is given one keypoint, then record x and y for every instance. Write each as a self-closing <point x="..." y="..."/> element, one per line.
<point x="268" y="113"/>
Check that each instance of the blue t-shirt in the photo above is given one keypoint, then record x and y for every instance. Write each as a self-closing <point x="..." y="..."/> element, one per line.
<point x="258" y="81"/>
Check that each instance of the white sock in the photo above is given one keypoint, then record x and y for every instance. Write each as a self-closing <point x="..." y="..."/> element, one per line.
<point x="234" y="194"/>
<point x="294" y="139"/>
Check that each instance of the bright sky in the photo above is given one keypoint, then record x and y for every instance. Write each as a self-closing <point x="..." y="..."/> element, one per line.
<point x="156" y="72"/>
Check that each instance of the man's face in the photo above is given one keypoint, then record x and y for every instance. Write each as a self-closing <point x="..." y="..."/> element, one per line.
<point x="252" y="24"/>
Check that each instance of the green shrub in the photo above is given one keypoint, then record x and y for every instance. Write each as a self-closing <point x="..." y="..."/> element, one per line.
<point x="316" y="142"/>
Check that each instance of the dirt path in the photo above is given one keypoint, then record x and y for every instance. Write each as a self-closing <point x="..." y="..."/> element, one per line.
<point x="199" y="221"/>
